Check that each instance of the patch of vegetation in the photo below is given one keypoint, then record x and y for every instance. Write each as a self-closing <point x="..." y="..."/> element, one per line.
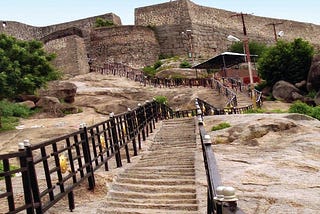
<point x="256" y="48"/>
<point x="10" y="114"/>
<point x="288" y="61"/>
<point x="303" y="108"/>
<point x="149" y="71"/>
<point x="185" y="64"/>
<point x="24" y="67"/>
<point x="255" y="111"/>
<point x="220" y="126"/>
<point x="312" y="94"/>
<point x="152" y="70"/>
<point x="161" y="99"/>
<point x="157" y="64"/>
<point x="100" y="22"/>
<point x="11" y="168"/>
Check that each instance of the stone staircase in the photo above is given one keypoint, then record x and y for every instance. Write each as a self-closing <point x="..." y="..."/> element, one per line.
<point x="163" y="180"/>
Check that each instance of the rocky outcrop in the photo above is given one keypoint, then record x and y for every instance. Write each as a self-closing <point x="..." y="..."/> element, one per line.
<point x="64" y="91"/>
<point x="285" y="91"/>
<point x="28" y="103"/>
<point x="313" y="82"/>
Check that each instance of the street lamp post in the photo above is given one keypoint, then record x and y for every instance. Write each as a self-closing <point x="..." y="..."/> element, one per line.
<point x="188" y="36"/>
<point x="274" y="30"/>
<point x="247" y="51"/>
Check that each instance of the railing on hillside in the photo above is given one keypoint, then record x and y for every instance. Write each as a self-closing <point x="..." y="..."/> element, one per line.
<point x="207" y="109"/>
<point x="137" y="75"/>
<point x="227" y="92"/>
<point x="220" y="199"/>
<point x="51" y="170"/>
<point x="238" y="85"/>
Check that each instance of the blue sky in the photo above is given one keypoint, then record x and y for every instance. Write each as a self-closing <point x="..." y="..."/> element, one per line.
<point x="47" y="12"/>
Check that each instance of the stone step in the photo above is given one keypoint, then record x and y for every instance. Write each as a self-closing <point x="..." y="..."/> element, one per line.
<point x="156" y="207"/>
<point x="142" y="175"/>
<point x="154" y="201"/>
<point x="120" y="210"/>
<point x="172" y="172"/>
<point x="153" y="195"/>
<point x="165" y="181"/>
<point x="166" y="162"/>
<point x="153" y="189"/>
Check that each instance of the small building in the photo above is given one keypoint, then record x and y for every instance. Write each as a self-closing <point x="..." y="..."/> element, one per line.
<point x="231" y="65"/>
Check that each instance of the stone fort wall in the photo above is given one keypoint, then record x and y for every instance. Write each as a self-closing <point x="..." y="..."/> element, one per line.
<point x="135" y="46"/>
<point x="157" y="31"/>
<point x="211" y="26"/>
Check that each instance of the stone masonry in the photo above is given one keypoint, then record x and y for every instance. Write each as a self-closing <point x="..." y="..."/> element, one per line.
<point x="157" y="31"/>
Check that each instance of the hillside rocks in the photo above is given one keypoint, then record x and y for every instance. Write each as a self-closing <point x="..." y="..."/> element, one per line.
<point x="62" y="90"/>
<point x="272" y="160"/>
<point x="283" y="90"/>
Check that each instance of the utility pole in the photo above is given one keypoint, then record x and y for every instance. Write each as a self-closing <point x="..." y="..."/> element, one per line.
<point x="274" y="29"/>
<point x="247" y="50"/>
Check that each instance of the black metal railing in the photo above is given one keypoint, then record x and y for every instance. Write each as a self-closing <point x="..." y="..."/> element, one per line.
<point x="216" y="203"/>
<point x="51" y="170"/>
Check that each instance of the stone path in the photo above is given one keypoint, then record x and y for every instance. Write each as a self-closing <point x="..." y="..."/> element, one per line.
<point x="163" y="180"/>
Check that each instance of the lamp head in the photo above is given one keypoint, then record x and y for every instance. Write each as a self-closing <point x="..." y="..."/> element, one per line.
<point x="233" y="38"/>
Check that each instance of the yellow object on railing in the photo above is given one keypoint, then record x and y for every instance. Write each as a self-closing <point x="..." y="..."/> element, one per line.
<point x="63" y="163"/>
<point x="103" y="142"/>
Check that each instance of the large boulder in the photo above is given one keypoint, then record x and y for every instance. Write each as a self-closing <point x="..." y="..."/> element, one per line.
<point x="65" y="91"/>
<point x="285" y="91"/>
<point x="50" y="105"/>
<point x="313" y="82"/>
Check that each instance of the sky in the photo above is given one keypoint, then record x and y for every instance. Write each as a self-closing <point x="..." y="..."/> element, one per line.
<point x="49" y="12"/>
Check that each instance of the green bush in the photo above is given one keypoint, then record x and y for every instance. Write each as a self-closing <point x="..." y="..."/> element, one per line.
<point x="10" y="114"/>
<point x="254" y="111"/>
<point x="157" y="64"/>
<point x="24" y="67"/>
<point x="316" y="112"/>
<point x="185" y="64"/>
<point x="9" y="109"/>
<point x="161" y="99"/>
<point x="301" y="108"/>
<point x="220" y="126"/>
<point x="100" y="22"/>
<point x="149" y="71"/>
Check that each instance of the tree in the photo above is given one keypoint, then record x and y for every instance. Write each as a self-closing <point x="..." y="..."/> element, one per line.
<point x="288" y="61"/>
<point x="255" y="48"/>
<point x="24" y="67"/>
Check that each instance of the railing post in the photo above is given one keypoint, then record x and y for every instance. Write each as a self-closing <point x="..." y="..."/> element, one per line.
<point x="87" y="156"/>
<point x="115" y="140"/>
<point x="26" y="180"/>
<point x="132" y="131"/>
<point x="33" y="178"/>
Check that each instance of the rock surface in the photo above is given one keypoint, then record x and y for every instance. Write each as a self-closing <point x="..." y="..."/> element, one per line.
<point x="285" y="91"/>
<point x="63" y="90"/>
<point x="271" y="159"/>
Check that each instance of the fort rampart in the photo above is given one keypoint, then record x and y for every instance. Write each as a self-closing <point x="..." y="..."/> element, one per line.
<point x="157" y="31"/>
